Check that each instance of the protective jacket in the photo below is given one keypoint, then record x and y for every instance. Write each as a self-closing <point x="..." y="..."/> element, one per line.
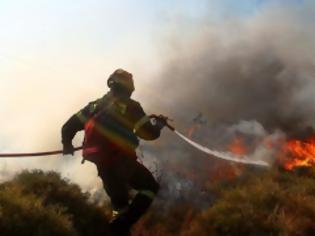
<point x="112" y="126"/>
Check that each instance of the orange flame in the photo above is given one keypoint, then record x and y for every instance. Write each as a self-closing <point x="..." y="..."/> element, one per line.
<point x="237" y="146"/>
<point x="296" y="153"/>
<point x="293" y="153"/>
<point x="192" y="130"/>
<point x="290" y="154"/>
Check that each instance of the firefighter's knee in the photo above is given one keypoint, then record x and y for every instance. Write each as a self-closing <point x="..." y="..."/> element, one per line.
<point x="147" y="193"/>
<point x="152" y="192"/>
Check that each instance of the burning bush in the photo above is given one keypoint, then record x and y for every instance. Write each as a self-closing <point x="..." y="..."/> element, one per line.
<point x="270" y="203"/>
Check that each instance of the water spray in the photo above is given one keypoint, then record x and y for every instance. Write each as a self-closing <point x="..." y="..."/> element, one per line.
<point x="221" y="155"/>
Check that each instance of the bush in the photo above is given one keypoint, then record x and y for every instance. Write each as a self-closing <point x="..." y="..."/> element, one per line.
<point x="257" y="203"/>
<point x="38" y="203"/>
<point x="275" y="203"/>
<point x="269" y="203"/>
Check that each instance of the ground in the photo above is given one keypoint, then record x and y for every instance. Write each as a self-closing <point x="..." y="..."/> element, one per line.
<point x="273" y="202"/>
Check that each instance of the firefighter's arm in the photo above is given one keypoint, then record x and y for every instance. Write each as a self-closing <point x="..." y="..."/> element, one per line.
<point x="74" y="124"/>
<point x="148" y="128"/>
<point x="68" y="131"/>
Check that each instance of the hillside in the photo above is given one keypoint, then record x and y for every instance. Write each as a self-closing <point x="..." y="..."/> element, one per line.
<point x="275" y="202"/>
<point x="270" y="203"/>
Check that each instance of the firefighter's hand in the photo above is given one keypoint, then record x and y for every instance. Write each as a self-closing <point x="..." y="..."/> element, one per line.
<point x="68" y="149"/>
<point x="161" y="121"/>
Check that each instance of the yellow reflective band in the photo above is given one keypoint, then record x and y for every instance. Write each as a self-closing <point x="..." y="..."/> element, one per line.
<point x="81" y="117"/>
<point x="140" y="123"/>
<point x="93" y="107"/>
<point x="115" y="213"/>
<point x="147" y="193"/>
<point x="118" y="212"/>
<point x="121" y="107"/>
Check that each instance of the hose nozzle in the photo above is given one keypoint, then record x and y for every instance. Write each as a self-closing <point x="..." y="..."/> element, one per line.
<point x="163" y="117"/>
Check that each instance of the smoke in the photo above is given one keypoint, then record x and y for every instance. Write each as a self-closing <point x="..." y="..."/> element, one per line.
<point x="251" y="76"/>
<point x="259" y="68"/>
<point x="35" y="103"/>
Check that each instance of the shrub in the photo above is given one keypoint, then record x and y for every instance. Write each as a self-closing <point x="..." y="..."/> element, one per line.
<point x="275" y="203"/>
<point x="38" y="203"/>
<point x="257" y="203"/>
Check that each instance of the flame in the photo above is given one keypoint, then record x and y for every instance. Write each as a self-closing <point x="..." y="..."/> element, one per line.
<point x="237" y="146"/>
<point x="230" y="171"/>
<point x="291" y="153"/>
<point x="296" y="153"/>
<point x="192" y="130"/>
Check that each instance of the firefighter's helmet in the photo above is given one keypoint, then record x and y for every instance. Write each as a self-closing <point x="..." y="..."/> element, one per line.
<point x="121" y="80"/>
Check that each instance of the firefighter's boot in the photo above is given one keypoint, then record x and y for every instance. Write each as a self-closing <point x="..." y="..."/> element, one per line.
<point x="137" y="208"/>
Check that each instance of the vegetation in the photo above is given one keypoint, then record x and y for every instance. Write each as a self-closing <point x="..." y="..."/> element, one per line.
<point x="270" y="203"/>
<point x="37" y="203"/>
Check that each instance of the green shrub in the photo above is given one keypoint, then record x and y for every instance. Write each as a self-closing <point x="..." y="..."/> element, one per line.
<point x="27" y="215"/>
<point x="275" y="203"/>
<point x="257" y="203"/>
<point x="38" y="203"/>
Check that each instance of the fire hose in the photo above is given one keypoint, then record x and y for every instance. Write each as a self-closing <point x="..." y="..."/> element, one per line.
<point x="213" y="153"/>
<point x="35" y="154"/>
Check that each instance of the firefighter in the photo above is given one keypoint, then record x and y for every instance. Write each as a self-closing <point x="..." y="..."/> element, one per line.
<point x="113" y="125"/>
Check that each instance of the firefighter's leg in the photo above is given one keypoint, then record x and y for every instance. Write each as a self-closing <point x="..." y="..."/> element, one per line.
<point x="115" y="186"/>
<point x="143" y="181"/>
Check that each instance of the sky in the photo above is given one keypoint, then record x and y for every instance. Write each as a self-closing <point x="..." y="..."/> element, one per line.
<point x="72" y="46"/>
<point x="55" y="41"/>
<point x="63" y="35"/>
<point x="55" y="56"/>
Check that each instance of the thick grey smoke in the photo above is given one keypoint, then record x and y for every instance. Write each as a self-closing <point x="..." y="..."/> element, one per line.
<point x="253" y="77"/>
<point x="259" y="68"/>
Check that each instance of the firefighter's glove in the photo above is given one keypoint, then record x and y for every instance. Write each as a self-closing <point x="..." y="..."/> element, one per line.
<point x="68" y="149"/>
<point x="161" y="121"/>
